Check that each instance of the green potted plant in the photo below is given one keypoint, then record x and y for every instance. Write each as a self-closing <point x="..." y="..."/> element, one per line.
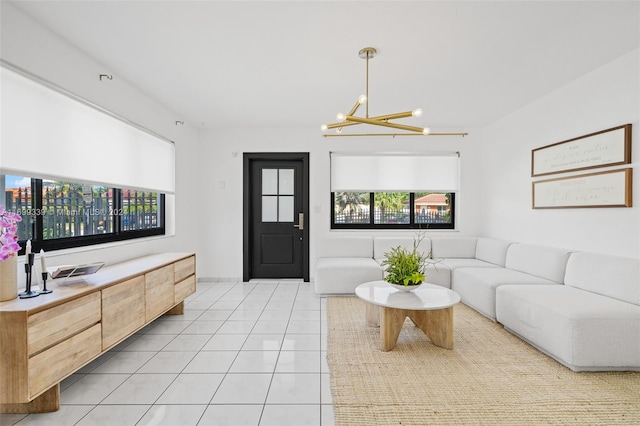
<point x="405" y="268"/>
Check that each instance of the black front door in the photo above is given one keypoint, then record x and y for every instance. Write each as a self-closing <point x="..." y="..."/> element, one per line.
<point x="276" y="223"/>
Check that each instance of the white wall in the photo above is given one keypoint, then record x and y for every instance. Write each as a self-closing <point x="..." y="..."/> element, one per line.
<point x="32" y="47"/>
<point x="223" y="153"/>
<point x="495" y="194"/>
<point x="604" y="98"/>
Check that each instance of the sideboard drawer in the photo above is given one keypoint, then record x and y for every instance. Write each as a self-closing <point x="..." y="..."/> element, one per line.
<point x="184" y="288"/>
<point x="54" y="364"/>
<point x="53" y="325"/>
<point x="184" y="268"/>
<point x="122" y="310"/>
<point x="159" y="293"/>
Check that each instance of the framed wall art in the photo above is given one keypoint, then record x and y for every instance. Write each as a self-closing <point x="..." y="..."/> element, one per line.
<point x="605" y="148"/>
<point x="601" y="189"/>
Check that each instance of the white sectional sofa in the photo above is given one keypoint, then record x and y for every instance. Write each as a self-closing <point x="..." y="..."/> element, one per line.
<point x="339" y="263"/>
<point x="592" y="322"/>
<point x="582" y="309"/>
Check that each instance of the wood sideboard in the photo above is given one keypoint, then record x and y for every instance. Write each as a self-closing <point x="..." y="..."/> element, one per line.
<point x="47" y="338"/>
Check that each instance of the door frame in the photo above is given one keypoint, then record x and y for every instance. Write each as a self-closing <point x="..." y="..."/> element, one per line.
<point x="247" y="198"/>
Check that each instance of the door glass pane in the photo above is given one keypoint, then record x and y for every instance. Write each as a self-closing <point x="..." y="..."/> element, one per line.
<point x="269" y="181"/>
<point x="285" y="209"/>
<point x="286" y="182"/>
<point x="269" y="209"/>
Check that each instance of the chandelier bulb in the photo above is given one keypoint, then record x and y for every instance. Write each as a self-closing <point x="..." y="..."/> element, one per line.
<point x="323" y="127"/>
<point x="340" y="116"/>
<point x="362" y="99"/>
<point x="426" y="131"/>
<point x="339" y="130"/>
<point x="417" y="112"/>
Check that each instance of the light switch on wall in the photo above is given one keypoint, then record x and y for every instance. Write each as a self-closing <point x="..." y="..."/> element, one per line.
<point x="222" y="184"/>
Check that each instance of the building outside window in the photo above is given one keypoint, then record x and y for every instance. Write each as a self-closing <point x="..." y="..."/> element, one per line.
<point x="60" y="214"/>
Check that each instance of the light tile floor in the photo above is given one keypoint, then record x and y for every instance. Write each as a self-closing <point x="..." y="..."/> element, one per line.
<point x="244" y="353"/>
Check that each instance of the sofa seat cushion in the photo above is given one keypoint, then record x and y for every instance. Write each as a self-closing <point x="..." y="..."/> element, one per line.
<point x="440" y="272"/>
<point x="582" y="330"/>
<point x="340" y="275"/>
<point x="465" y="263"/>
<point x="477" y="286"/>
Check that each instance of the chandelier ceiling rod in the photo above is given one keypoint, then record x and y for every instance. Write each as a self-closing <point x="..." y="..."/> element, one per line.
<point x="381" y="120"/>
<point x="369" y="52"/>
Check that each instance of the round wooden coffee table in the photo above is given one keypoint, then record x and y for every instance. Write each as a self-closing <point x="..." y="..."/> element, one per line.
<point x="430" y="307"/>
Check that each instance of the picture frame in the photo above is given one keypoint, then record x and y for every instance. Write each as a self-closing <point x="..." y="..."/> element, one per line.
<point x="600" y="189"/>
<point x="608" y="147"/>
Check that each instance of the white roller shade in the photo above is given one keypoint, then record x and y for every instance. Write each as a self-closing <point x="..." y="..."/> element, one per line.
<point x="391" y="172"/>
<point x="48" y="134"/>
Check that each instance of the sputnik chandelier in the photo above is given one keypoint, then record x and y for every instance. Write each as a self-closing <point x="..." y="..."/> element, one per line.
<point x="349" y="119"/>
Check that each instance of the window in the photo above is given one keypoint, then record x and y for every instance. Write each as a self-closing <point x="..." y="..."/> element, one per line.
<point x="57" y="214"/>
<point x="393" y="190"/>
<point x="393" y="210"/>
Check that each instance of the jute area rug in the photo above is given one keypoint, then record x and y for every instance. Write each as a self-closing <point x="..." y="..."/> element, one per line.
<point x="490" y="377"/>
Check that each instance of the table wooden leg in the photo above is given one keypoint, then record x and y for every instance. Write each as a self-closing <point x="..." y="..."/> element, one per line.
<point x="391" y="321"/>
<point x="436" y="324"/>
<point x="373" y="315"/>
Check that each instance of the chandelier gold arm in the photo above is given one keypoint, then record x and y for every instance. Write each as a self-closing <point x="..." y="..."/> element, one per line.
<point x="415" y="129"/>
<point x="340" y="125"/>
<point x="379" y="118"/>
<point x="355" y="108"/>
<point x="463" y="134"/>
<point x="392" y="116"/>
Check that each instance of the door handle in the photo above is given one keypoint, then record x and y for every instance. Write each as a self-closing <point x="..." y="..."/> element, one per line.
<point x="300" y="224"/>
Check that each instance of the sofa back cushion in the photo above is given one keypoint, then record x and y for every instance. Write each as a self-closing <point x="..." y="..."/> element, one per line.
<point x="345" y="247"/>
<point x="544" y="262"/>
<point x="612" y="276"/>
<point x="453" y="247"/>
<point x="382" y="245"/>
<point x="492" y="251"/>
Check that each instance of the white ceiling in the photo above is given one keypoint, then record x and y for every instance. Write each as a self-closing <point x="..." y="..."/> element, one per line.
<point x="295" y="63"/>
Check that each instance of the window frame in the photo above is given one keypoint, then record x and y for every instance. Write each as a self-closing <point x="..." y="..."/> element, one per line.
<point x="119" y="234"/>
<point x="395" y="226"/>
